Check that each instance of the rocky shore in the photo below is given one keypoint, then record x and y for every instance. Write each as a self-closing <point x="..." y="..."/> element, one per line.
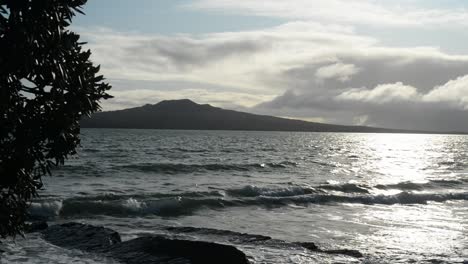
<point x="148" y="249"/>
<point x="176" y="248"/>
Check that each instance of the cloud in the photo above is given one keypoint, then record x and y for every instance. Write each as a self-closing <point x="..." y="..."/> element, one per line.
<point x="339" y="71"/>
<point x="182" y="53"/>
<point x="239" y="60"/>
<point x="381" y="94"/>
<point x="442" y="108"/>
<point x="290" y="51"/>
<point x="361" y="12"/>
<point x="454" y="92"/>
<point x="421" y="68"/>
<point x="132" y="93"/>
<point x="138" y="97"/>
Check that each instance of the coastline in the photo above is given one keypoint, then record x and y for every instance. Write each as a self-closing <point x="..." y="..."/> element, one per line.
<point x="176" y="246"/>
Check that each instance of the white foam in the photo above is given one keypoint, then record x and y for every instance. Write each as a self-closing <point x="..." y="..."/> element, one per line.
<point x="133" y="204"/>
<point x="46" y="208"/>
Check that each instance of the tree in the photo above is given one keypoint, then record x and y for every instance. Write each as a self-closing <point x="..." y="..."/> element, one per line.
<point x="47" y="83"/>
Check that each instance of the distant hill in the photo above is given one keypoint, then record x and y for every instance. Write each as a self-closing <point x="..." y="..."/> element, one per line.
<point x="186" y="114"/>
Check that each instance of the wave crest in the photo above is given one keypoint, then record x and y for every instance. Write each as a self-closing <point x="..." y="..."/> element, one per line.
<point x="255" y="191"/>
<point x="177" y="206"/>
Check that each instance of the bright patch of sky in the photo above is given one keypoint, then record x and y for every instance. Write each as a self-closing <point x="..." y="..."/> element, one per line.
<point x="165" y="17"/>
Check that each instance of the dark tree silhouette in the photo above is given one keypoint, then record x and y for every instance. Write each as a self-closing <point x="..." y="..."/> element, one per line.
<point x="47" y="83"/>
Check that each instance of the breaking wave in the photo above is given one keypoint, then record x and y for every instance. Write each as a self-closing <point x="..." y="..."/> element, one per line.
<point x="401" y="186"/>
<point x="346" y="188"/>
<point x="431" y="184"/>
<point x="186" y="205"/>
<point x="255" y="191"/>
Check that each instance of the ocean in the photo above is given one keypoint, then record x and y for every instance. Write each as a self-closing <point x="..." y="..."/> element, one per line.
<point x="396" y="198"/>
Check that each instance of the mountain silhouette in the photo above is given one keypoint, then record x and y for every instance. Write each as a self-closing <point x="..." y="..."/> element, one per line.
<point x="186" y="114"/>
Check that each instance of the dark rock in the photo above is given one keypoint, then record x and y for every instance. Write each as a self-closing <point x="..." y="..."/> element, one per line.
<point x="347" y="252"/>
<point x="36" y="227"/>
<point x="145" y="250"/>
<point x="164" y="250"/>
<point x="159" y="249"/>
<point x="82" y="237"/>
<point x="313" y="247"/>
<point x="233" y="236"/>
<point x="309" y="245"/>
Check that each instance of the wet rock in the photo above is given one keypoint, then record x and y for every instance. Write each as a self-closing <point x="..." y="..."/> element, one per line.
<point x="169" y="250"/>
<point x="233" y="236"/>
<point x="313" y="247"/>
<point x="36" y="227"/>
<point x="347" y="252"/>
<point x="82" y="237"/>
<point x="309" y="245"/>
<point x="145" y="250"/>
<point x="157" y="249"/>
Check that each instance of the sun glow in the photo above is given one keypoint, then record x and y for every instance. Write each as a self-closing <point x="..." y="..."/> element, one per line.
<point x="395" y="158"/>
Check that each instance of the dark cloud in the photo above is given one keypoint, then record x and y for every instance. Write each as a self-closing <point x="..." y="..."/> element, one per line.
<point x="184" y="53"/>
<point x="414" y="113"/>
<point x="423" y="73"/>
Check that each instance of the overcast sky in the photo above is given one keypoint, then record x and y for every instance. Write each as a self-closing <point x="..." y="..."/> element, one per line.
<point x="398" y="63"/>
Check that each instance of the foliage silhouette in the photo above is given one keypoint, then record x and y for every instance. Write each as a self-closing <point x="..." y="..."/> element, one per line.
<point x="47" y="83"/>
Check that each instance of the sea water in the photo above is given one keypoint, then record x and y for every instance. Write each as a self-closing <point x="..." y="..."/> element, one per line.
<point x="397" y="198"/>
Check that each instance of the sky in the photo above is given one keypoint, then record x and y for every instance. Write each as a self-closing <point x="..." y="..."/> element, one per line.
<point x="397" y="64"/>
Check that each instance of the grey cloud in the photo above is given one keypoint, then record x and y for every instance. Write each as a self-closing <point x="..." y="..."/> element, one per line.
<point x="423" y="73"/>
<point x="184" y="53"/>
<point x="404" y="115"/>
<point x="340" y="71"/>
<point x="425" y="116"/>
<point x="389" y="90"/>
<point x="403" y="107"/>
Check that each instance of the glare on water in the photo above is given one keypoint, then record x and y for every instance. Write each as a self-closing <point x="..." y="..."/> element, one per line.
<point x="394" y="158"/>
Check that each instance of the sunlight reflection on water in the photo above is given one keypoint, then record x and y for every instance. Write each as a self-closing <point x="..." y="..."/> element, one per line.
<point x="424" y="230"/>
<point x="419" y="231"/>
<point x="393" y="158"/>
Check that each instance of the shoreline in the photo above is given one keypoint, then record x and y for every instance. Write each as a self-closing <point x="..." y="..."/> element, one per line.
<point x="178" y="245"/>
